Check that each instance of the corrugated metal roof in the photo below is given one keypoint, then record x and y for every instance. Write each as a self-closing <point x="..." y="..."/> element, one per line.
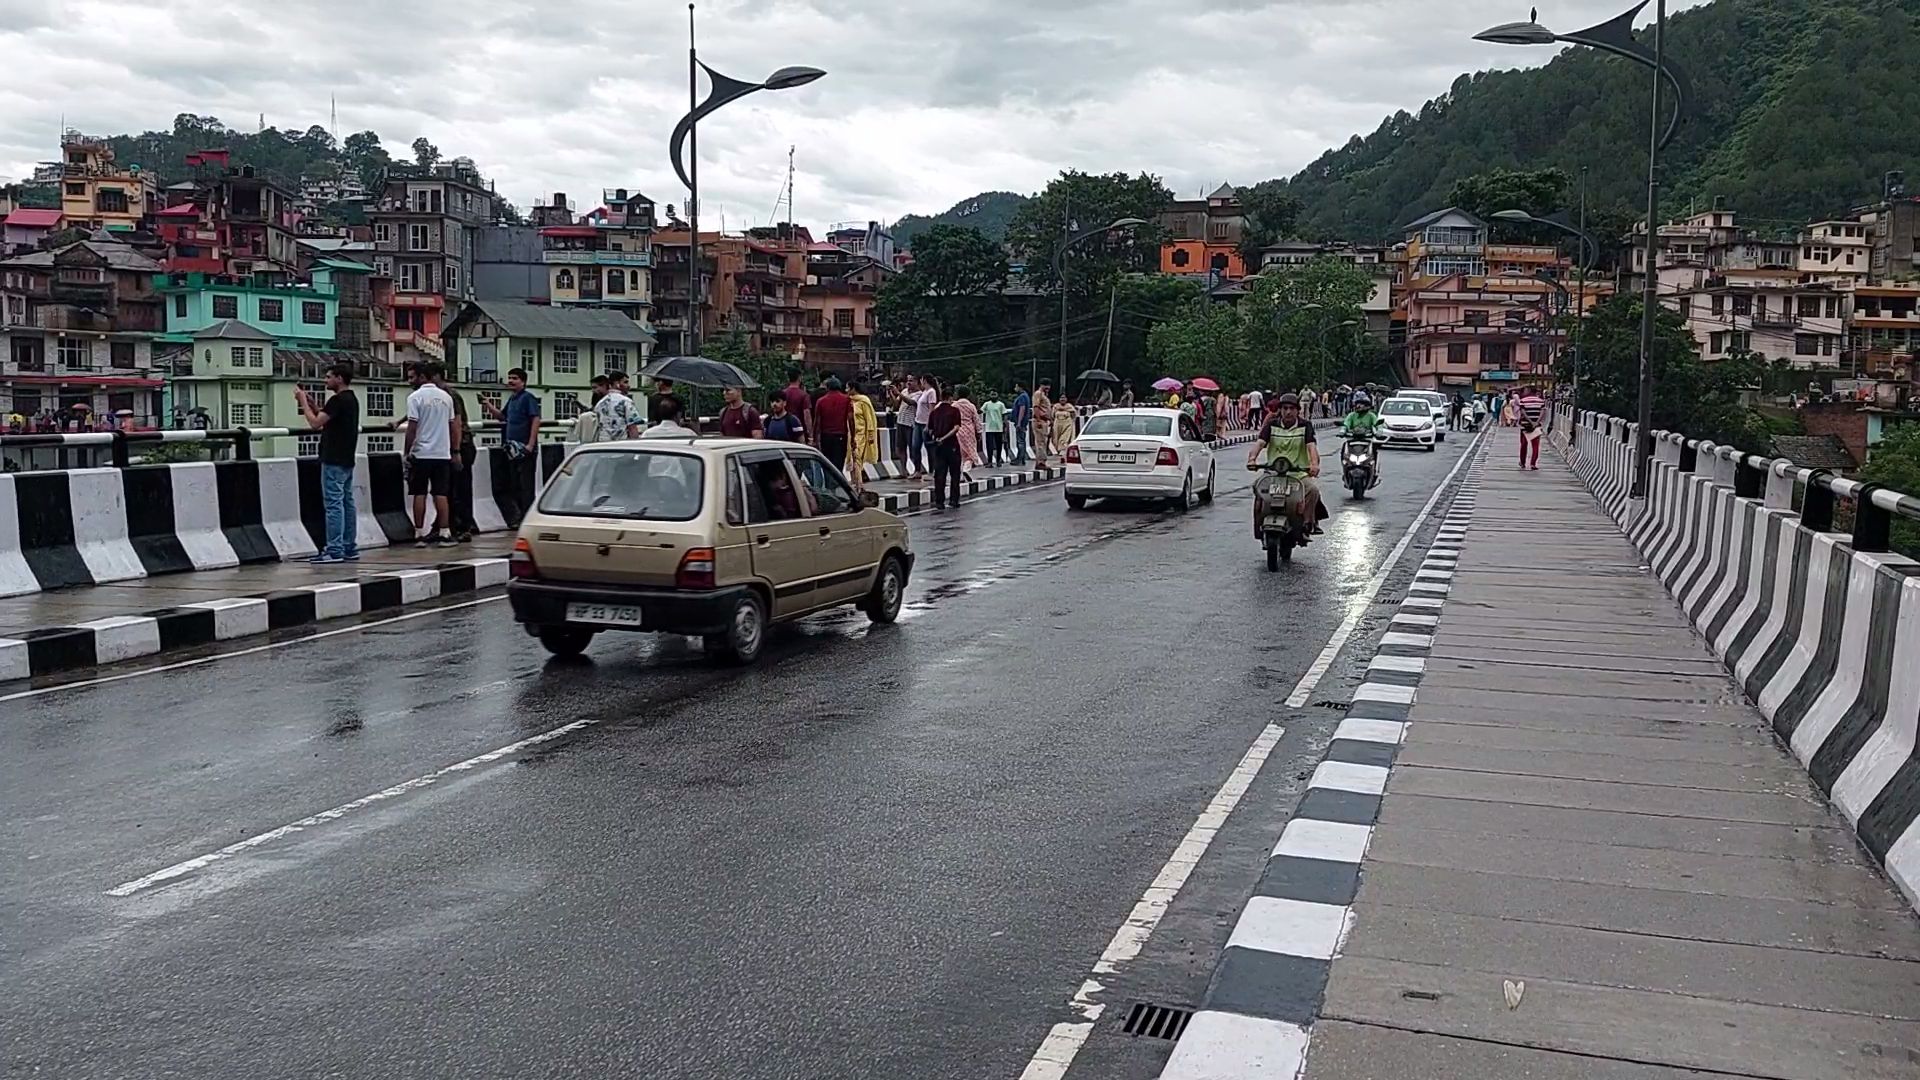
<point x="31" y="218"/>
<point x="1815" y="452"/>
<point x="565" y="323"/>
<point x="231" y="330"/>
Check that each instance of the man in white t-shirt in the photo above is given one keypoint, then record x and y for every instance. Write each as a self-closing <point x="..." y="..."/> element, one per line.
<point x="1255" y="400"/>
<point x="615" y="412"/>
<point x="432" y="433"/>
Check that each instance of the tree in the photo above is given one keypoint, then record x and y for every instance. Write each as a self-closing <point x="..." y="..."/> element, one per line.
<point x="954" y="260"/>
<point x="424" y="152"/>
<point x="1202" y="338"/>
<point x="1895" y="463"/>
<point x="1082" y="201"/>
<point x="1703" y="400"/>
<point x="1537" y="191"/>
<point x="1272" y="213"/>
<point x="361" y="144"/>
<point x="1303" y="324"/>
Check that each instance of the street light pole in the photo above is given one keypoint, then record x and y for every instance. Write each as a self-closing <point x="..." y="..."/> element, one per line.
<point x="686" y="134"/>
<point x="1643" y="445"/>
<point x="1060" y="273"/>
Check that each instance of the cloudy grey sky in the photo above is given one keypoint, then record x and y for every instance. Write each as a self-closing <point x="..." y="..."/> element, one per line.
<point x="926" y="101"/>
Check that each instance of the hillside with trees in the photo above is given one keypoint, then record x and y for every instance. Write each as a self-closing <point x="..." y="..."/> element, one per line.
<point x="1796" y="114"/>
<point x="986" y="213"/>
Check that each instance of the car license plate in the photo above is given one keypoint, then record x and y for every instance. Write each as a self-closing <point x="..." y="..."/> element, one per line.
<point x="604" y="614"/>
<point x="1111" y="458"/>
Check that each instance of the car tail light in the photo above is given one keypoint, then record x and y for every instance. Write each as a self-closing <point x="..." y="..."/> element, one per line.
<point x="520" y="563"/>
<point x="1167" y="456"/>
<point x="696" y="570"/>
<point x="1073" y="454"/>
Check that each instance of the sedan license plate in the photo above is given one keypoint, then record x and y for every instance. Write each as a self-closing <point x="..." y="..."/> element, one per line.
<point x="604" y="614"/>
<point x="1108" y="457"/>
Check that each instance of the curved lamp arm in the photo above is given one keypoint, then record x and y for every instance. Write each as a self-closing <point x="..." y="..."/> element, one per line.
<point x="1614" y="36"/>
<point x="725" y="90"/>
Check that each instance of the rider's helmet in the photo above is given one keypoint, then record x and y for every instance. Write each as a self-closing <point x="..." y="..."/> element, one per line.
<point x="1361" y="402"/>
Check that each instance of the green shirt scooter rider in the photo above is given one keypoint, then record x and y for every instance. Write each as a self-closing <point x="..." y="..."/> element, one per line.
<point x="1362" y="422"/>
<point x="1288" y="436"/>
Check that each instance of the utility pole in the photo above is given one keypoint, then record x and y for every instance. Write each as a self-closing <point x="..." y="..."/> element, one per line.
<point x="1650" y="299"/>
<point x="1066" y="231"/>
<point x="692" y="336"/>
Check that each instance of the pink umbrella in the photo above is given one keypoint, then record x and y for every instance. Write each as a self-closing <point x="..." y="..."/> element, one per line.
<point x="1168" y="383"/>
<point x="1206" y="384"/>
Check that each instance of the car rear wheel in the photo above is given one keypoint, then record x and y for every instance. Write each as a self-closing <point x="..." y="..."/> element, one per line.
<point x="1206" y="496"/>
<point x="745" y="633"/>
<point x="565" y="640"/>
<point x="883" y="603"/>
<point x="1184" y="501"/>
<point x="1076" y="502"/>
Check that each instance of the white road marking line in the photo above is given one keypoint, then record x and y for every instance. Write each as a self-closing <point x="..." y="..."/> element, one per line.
<point x="1064" y="1040"/>
<point x="1291" y="927"/>
<point x="180" y="869"/>
<point x="198" y="660"/>
<point x="1357" y="608"/>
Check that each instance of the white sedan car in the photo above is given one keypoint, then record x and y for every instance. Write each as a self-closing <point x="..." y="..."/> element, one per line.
<point x="1436" y="403"/>
<point x="1139" y="454"/>
<point x="1407" y="421"/>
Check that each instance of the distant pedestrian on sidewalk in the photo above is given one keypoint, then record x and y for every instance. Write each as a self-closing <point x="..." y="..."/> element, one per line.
<point x="901" y="402"/>
<point x="994" y="415"/>
<point x="1066" y="423"/>
<point x="943" y="441"/>
<point x="1528" y="409"/>
<point x="926" y="395"/>
<point x="1126" y="394"/>
<point x="863" y="435"/>
<point x="833" y="411"/>
<point x="338" y="422"/>
<point x="1042" y="423"/>
<point x="520" y="437"/>
<point x="969" y="431"/>
<point x="432" y="434"/>
<point x="465" y="452"/>
<point x="1019" y="423"/>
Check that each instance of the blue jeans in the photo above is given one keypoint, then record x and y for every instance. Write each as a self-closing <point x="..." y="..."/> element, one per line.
<point x="1017" y="442"/>
<point x="336" y="494"/>
<point x="917" y="454"/>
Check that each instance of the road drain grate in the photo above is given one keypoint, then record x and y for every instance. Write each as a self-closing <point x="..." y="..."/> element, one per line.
<point x="1157" y="1021"/>
<point x="1333" y="704"/>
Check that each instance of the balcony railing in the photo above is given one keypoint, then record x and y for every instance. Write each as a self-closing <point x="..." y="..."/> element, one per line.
<point x="596" y="258"/>
<point x="1461" y="329"/>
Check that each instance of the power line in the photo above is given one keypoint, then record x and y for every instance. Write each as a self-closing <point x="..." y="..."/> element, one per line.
<point x="1037" y="328"/>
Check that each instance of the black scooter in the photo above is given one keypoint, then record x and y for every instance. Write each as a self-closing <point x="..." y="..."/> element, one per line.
<point x="1359" y="460"/>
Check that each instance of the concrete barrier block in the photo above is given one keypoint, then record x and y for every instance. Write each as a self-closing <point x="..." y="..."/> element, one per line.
<point x="280" y="509"/>
<point x="335" y="599"/>
<point x="196" y="516"/>
<point x="13" y="659"/>
<point x="123" y="637"/>
<point x="16" y="577"/>
<point x="367" y="527"/>
<point x="99" y="510"/>
<point x="235" y="617"/>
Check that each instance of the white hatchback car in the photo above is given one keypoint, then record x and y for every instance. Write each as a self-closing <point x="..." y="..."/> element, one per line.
<point x="1407" y="421"/>
<point x="1436" y="404"/>
<point x="1139" y="454"/>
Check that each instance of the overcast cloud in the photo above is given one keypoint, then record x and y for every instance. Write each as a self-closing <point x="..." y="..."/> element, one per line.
<point x="926" y="101"/>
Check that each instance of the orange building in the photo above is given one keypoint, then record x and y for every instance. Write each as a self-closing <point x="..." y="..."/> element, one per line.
<point x="1204" y="235"/>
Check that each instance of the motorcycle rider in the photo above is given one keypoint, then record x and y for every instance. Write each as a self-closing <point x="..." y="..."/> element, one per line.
<point x="1286" y="434"/>
<point x="1362" y="423"/>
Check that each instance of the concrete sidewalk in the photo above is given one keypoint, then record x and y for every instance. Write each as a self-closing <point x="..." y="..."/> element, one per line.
<point x="1592" y="859"/>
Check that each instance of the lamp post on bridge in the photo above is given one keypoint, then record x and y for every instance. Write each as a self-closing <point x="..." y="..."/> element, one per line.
<point x="1616" y="36"/>
<point x="686" y="133"/>
<point x="1589" y="252"/>
<point x="1060" y="276"/>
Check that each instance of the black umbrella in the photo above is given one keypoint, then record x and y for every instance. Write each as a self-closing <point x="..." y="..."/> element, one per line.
<point x="1098" y="375"/>
<point x="698" y="371"/>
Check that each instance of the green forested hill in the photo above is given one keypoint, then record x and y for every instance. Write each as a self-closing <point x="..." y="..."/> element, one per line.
<point x="988" y="212"/>
<point x="1799" y="108"/>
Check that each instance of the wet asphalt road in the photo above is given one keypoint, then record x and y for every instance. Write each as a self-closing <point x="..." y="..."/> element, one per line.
<point x="883" y="852"/>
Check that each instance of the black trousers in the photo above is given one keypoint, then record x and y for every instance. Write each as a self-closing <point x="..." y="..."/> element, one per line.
<point x="946" y="472"/>
<point x="461" y="501"/>
<point x="996" y="447"/>
<point x="521" y="484"/>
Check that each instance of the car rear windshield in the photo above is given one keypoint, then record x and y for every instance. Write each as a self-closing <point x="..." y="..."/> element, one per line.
<point x="643" y="484"/>
<point x="1122" y="424"/>
<point x="1405" y="407"/>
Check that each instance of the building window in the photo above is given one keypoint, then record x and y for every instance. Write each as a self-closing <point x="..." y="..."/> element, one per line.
<point x="1475" y="318"/>
<point x="526" y="361"/>
<point x="843" y="319"/>
<point x="613" y="359"/>
<point x="1515" y="318"/>
<point x="256" y="356"/>
<point x="1717" y="342"/>
<point x="1457" y="353"/>
<point x="383" y="232"/>
<point x="313" y="313"/>
<point x="379" y="401"/>
<point x="411" y="277"/>
<point x="1497" y="354"/>
<point x="1806" y="345"/>
<point x="1719" y="304"/>
<point x="272" y="310"/>
<point x="1743" y="305"/>
<point x="383" y="265"/>
<point x="566" y="360"/>
<point x="488" y="397"/>
<point x="309" y="446"/>
<point x="122" y="354"/>
<point x="453" y="278"/>
<point x="1833" y="307"/>
<point x="1180" y="257"/>
<point x="417" y="237"/>
<point x="1540" y="355"/>
<point x="379" y="444"/>
<point x="226" y="307"/>
<point x="180" y="306"/>
<point x="616" y="283"/>
<point x="74" y="353"/>
<point x="566" y="406"/>
<point x="246" y="414"/>
<point x="76" y="189"/>
<point x="1809" y="307"/>
<point x="110" y="201"/>
<point x="316" y="391"/>
<point x="563" y="280"/>
<point x="1740" y="340"/>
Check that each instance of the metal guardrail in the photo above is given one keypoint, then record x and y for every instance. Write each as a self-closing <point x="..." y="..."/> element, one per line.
<point x="1779" y="482"/>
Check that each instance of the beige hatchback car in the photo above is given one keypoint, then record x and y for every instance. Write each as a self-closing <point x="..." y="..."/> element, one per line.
<point x="716" y="538"/>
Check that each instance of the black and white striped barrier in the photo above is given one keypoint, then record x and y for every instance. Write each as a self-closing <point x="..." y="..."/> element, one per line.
<point x="1821" y="629"/>
<point x="127" y="637"/>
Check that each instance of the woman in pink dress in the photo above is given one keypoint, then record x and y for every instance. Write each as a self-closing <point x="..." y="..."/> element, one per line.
<point x="969" y="431"/>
